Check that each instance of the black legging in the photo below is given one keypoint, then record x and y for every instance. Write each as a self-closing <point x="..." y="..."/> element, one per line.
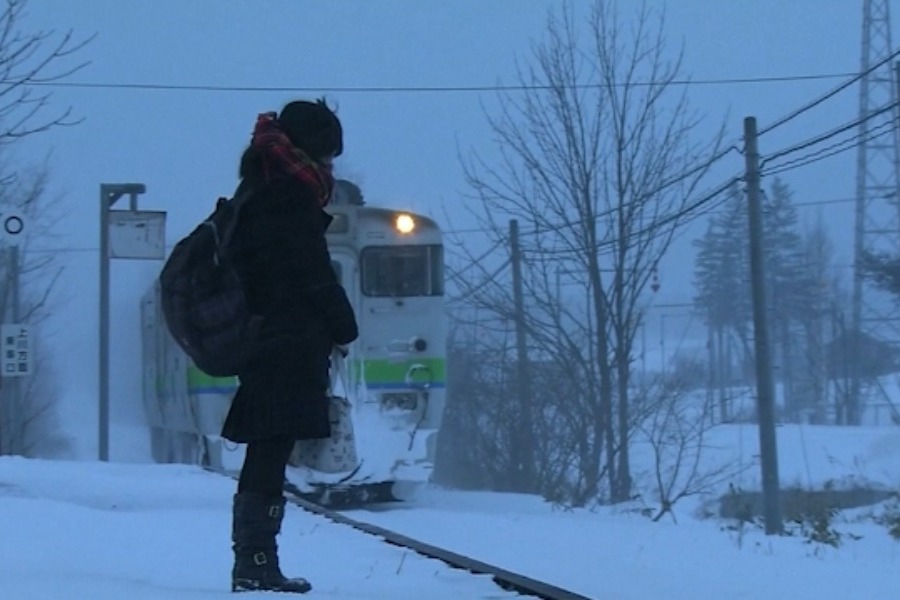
<point x="264" y="464"/>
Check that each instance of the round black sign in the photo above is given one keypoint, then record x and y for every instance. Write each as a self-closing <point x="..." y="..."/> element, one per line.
<point x="13" y="225"/>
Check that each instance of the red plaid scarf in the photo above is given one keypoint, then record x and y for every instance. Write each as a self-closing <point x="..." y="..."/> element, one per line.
<point x="282" y="156"/>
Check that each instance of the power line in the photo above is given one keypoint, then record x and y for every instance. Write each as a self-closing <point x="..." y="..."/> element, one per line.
<point x="476" y="261"/>
<point x="470" y="290"/>
<point x="691" y="210"/>
<point x="672" y="181"/>
<point x="148" y="86"/>
<point x="832" y="150"/>
<point x="781" y="153"/>
<point x="735" y="179"/>
<point x="657" y="224"/>
<point x="828" y="95"/>
<point x="487" y="229"/>
<point x="808" y="159"/>
<point x="829" y="134"/>
<point x="821" y="202"/>
<point x="467" y="230"/>
<point x="63" y="250"/>
<point x="725" y="186"/>
<point x="668" y="183"/>
<point x="688" y="211"/>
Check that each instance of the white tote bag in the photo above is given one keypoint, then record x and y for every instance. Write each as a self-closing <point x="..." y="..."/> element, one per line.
<point x="335" y="454"/>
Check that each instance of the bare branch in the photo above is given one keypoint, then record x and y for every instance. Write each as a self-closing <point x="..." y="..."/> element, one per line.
<point x="29" y="60"/>
<point x="676" y="432"/>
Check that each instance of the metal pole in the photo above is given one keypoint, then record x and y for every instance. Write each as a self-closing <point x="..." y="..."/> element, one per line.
<point x="662" y="344"/>
<point x="896" y="95"/>
<point x="103" y="409"/>
<point x="525" y="454"/>
<point x="5" y="419"/>
<point x="764" y="384"/>
<point x="109" y="194"/>
<point x="643" y="351"/>
<point x="14" y="266"/>
<point x="16" y="393"/>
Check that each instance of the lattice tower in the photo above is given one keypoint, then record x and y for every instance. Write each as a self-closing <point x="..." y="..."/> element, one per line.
<point x="877" y="229"/>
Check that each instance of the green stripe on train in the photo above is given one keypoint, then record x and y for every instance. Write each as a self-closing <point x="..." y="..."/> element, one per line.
<point x="198" y="379"/>
<point x="387" y="371"/>
<point x="376" y="372"/>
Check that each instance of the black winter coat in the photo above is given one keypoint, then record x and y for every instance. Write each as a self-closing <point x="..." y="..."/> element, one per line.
<point x="280" y="251"/>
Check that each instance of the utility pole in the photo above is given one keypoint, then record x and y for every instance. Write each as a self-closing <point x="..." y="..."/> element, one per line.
<point x="16" y="342"/>
<point x="525" y="453"/>
<point x="18" y="419"/>
<point x="765" y="388"/>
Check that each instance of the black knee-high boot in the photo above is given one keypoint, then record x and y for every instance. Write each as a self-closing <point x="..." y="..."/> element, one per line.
<point x="256" y="522"/>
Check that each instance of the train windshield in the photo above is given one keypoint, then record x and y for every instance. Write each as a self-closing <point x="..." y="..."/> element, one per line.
<point x="403" y="271"/>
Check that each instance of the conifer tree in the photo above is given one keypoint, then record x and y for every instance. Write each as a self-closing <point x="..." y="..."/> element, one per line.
<point x="723" y="292"/>
<point x="784" y="279"/>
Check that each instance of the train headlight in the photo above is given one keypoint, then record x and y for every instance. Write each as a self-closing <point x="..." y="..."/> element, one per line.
<point x="404" y="223"/>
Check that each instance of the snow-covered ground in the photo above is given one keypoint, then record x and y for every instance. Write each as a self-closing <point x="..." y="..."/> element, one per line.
<point x="91" y="530"/>
<point x="80" y="530"/>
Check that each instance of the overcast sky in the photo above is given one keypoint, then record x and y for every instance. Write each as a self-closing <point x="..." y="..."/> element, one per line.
<point x="401" y="143"/>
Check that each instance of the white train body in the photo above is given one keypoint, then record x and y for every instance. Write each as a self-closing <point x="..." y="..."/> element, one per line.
<point x="391" y="264"/>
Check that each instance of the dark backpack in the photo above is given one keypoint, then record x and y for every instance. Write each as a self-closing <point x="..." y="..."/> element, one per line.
<point x="203" y="297"/>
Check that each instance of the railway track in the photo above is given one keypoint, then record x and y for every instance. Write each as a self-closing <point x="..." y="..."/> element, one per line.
<point x="507" y="580"/>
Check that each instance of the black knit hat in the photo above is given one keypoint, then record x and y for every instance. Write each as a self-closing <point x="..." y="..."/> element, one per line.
<point x="313" y="127"/>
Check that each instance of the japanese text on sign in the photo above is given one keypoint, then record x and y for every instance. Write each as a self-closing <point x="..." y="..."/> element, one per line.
<point x="16" y="350"/>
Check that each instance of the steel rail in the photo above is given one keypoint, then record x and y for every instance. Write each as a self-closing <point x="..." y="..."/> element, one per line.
<point x="508" y="580"/>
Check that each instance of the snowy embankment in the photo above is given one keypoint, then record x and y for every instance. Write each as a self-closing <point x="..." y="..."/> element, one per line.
<point x="615" y="553"/>
<point x="92" y="531"/>
<point x="97" y="531"/>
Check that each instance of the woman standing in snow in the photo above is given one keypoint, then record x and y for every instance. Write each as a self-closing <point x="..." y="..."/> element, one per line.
<point x="281" y="253"/>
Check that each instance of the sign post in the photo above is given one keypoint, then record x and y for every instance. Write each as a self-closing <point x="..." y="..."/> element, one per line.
<point x="16" y="348"/>
<point x="123" y="234"/>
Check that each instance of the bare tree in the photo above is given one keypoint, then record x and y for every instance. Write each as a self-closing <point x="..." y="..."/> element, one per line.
<point x="676" y="433"/>
<point x="598" y="164"/>
<point x="35" y="430"/>
<point x="29" y="60"/>
<point x="476" y="448"/>
<point x="472" y="451"/>
<point x="27" y="279"/>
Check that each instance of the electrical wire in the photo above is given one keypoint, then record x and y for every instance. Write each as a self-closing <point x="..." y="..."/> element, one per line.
<point x="472" y="291"/>
<point x="612" y="211"/>
<point x="779" y="154"/>
<point x="854" y="140"/>
<point x="476" y="261"/>
<point x="692" y="208"/>
<point x="689" y="211"/>
<point x="466" y="231"/>
<point x="687" y="214"/>
<point x="829" y="151"/>
<point x="415" y="88"/>
<point x="828" y="134"/>
<point x="810" y="105"/>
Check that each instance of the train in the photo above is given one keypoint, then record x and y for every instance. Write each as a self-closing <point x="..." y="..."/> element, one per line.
<point x="391" y="263"/>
